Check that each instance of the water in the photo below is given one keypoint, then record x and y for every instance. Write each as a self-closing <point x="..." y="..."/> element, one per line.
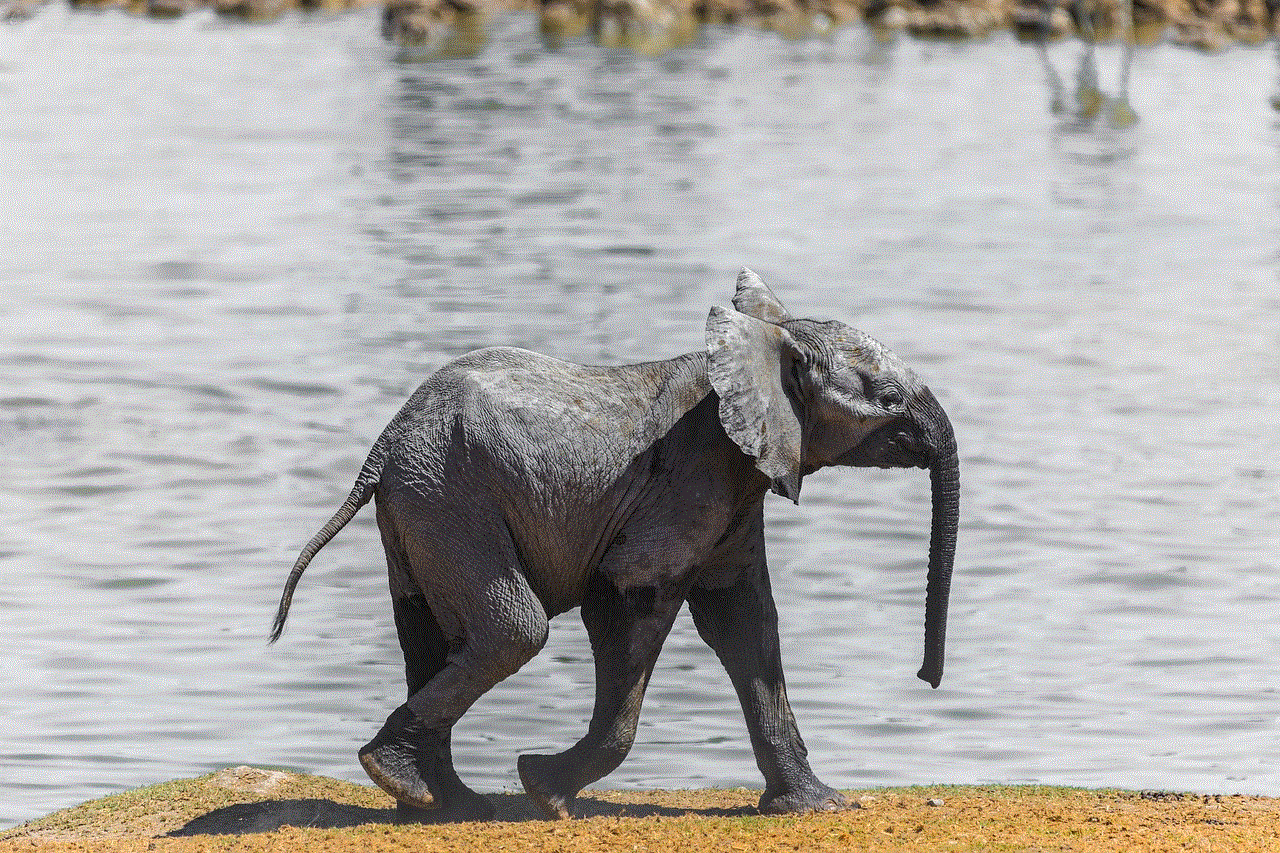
<point x="230" y="252"/>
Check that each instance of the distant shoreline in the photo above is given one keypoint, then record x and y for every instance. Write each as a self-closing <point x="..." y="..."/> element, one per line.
<point x="249" y="809"/>
<point x="1207" y="26"/>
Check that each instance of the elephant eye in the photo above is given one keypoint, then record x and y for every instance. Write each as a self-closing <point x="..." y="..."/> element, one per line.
<point x="891" y="398"/>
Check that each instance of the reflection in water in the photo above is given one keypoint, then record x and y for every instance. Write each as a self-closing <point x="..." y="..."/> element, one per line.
<point x="1275" y="99"/>
<point x="436" y="31"/>
<point x="444" y="29"/>
<point x="1087" y="101"/>
<point x="649" y="28"/>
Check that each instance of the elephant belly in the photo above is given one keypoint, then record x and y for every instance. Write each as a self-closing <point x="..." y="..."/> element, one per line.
<point x="557" y="561"/>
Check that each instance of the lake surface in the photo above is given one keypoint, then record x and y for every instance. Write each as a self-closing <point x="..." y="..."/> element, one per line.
<point x="230" y="252"/>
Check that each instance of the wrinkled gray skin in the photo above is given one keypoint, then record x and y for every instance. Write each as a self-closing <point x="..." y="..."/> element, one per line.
<point x="513" y="487"/>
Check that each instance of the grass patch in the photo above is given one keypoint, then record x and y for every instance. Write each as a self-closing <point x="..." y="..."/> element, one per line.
<point x="251" y="810"/>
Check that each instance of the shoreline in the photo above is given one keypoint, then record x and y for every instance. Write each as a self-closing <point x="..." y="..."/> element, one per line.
<point x="656" y="25"/>
<point x="249" y="809"/>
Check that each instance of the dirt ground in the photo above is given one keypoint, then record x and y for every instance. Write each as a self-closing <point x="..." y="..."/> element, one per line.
<point x="247" y="809"/>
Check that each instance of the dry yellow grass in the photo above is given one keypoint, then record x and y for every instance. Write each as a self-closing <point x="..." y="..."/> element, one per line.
<point x="256" y="810"/>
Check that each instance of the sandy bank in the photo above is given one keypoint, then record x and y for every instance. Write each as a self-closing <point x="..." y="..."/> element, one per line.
<point x="261" y="810"/>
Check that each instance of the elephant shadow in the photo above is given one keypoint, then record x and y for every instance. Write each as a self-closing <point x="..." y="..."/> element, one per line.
<point x="270" y="815"/>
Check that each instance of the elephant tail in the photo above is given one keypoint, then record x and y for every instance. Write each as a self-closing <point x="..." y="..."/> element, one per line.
<point x="360" y="495"/>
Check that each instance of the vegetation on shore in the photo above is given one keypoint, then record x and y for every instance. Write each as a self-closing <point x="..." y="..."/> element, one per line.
<point x="245" y="809"/>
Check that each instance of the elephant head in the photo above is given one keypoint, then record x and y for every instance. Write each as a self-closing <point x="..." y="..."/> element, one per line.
<point x="798" y="395"/>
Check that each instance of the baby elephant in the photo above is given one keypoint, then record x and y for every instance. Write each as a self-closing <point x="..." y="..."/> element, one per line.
<point x="513" y="487"/>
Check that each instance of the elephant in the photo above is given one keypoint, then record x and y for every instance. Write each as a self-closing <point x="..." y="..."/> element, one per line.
<point x="513" y="487"/>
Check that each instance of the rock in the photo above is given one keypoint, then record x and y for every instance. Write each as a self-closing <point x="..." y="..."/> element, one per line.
<point x="449" y="26"/>
<point x="890" y="18"/>
<point x="251" y="779"/>
<point x="253" y="10"/>
<point x="170" y="8"/>
<point x="19" y="10"/>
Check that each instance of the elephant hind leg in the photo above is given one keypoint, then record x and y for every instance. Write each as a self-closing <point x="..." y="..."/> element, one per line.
<point x="500" y="625"/>
<point x="411" y="757"/>
<point x="425" y="652"/>
<point x="423" y="643"/>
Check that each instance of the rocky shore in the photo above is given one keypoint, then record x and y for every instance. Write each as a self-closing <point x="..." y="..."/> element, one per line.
<point x="251" y="810"/>
<point x="1206" y="24"/>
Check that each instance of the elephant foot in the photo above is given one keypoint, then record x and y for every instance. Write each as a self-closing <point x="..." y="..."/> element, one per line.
<point x="542" y="782"/>
<point x="401" y="759"/>
<point x="458" y="807"/>
<point x="814" y="797"/>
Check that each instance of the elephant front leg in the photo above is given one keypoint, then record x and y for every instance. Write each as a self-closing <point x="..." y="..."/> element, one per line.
<point x="740" y="623"/>
<point x="627" y="629"/>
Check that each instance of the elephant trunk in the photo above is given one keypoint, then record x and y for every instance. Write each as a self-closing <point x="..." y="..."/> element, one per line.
<point x="944" y="478"/>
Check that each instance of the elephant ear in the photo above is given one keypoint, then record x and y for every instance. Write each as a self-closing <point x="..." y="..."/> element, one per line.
<point x="750" y="366"/>
<point x="755" y="299"/>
